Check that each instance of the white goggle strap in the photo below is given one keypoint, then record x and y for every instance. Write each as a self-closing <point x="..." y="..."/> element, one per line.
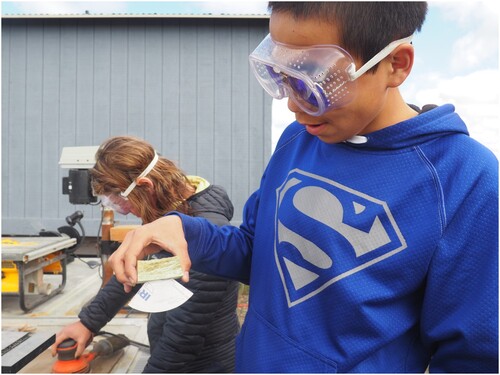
<point x="378" y="57"/>
<point x="143" y="174"/>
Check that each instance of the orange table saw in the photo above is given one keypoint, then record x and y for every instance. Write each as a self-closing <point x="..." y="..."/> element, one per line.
<point x="25" y="263"/>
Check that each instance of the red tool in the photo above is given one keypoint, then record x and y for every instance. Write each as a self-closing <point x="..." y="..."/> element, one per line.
<point x="66" y="362"/>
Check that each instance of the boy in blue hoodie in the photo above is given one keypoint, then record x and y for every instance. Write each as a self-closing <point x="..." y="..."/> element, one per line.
<point x="371" y="244"/>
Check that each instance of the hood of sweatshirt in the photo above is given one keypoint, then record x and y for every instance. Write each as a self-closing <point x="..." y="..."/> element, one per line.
<point x="428" y="125"/>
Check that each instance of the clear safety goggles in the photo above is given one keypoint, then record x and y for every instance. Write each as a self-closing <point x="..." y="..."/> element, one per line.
<point x="317" y="78"/>
<point x="120" y="202"/>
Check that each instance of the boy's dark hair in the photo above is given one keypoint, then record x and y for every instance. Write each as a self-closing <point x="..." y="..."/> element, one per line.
<point x="365" y="28"/>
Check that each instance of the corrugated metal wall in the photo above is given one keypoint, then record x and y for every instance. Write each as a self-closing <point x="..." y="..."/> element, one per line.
<point x="182" y="84"/>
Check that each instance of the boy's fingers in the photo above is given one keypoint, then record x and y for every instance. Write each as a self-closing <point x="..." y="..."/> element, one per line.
<point x="117" y="261"/>
<point x="130" y="267"/>
<point x="185" y="261"/>
<point x="165" y="233"/>
<point x="134" y="248"/>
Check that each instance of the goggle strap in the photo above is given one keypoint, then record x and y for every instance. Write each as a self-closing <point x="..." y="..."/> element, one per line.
<point x="143" y="174"/>
<point x="379" y="57"/>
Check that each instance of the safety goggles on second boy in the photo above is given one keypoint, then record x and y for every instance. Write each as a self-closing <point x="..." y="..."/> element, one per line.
<point x="120" y="202"/>
<point x="317" y="78"/>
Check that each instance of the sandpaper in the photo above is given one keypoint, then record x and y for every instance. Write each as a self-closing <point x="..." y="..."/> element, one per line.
<point x="158" y="269"/>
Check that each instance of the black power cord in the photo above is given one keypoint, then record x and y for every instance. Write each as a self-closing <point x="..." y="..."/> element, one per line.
<point x="72" y="220"/>
<point x="135" y="343"/>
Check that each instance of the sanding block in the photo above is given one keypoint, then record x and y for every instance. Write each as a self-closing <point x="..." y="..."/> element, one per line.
<point x="158" y="269"/>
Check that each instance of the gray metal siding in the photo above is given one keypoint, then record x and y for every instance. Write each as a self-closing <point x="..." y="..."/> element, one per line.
<point x="182" y="84"/>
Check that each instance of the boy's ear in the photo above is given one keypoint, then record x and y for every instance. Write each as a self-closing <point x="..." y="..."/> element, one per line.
<point x="401" y="61"/>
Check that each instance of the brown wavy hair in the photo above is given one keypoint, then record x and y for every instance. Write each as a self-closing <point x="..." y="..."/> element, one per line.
<point x="120" y="160"/>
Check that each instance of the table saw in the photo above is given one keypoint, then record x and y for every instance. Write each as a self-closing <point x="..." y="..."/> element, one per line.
<point x="26" y="261"/>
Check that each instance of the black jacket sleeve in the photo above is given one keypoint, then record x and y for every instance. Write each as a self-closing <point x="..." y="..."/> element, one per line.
<point x="105" y="305"/>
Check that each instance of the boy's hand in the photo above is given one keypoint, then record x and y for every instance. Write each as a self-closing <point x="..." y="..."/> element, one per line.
<point x="76" y="331"/>
<point x="165" y="233"/>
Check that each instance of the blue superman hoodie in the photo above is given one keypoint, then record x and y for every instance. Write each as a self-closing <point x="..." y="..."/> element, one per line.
<point x="374" y="256"/>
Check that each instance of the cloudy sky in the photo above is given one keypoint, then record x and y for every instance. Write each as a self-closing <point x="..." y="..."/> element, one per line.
<point x="456" y="53"/>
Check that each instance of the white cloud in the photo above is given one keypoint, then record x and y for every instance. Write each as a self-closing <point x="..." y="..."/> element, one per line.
<point x="476" y="98"/>
<point x="236" y="7"/>
<point x="479" y="42"/>
<point x="468" y="13"/>
<point x="477" y="87"/>
<point x="118" y="6"/>
<point x="475" y="48"/>
<point x="70" y="7"/>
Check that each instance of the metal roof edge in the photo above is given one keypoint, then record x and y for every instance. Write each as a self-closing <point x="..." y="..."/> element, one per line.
<point x="145" y="15"/>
